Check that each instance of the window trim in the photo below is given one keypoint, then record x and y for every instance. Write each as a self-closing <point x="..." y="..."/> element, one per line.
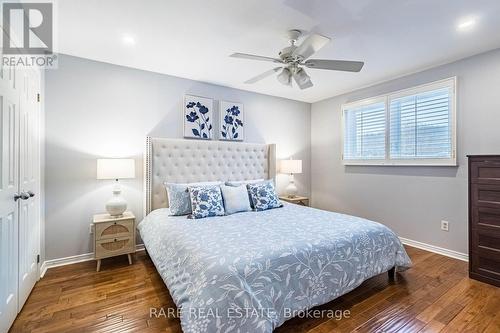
<point x="386" y="98"/>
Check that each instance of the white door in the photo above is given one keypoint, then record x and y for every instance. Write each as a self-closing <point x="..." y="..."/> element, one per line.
<point x="29" y="222"/>
<point x="9" y="206"/>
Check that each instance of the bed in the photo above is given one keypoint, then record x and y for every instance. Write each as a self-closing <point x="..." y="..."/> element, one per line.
<point x="251" y="271"/>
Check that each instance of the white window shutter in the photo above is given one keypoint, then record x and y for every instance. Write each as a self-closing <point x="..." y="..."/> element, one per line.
<point x="420" y="126"/>
<point x="416" y="126"/>
<point x="364" y="132"/>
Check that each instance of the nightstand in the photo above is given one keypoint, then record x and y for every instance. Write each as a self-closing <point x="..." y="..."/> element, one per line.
<point x="303" y="201"/>
<point x="113" y="236"/>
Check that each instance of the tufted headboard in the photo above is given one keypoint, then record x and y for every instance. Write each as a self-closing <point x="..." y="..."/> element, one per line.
<point x="186" y="161"/>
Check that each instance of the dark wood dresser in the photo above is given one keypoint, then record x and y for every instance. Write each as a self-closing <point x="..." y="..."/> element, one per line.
<point x="484" y="218"/>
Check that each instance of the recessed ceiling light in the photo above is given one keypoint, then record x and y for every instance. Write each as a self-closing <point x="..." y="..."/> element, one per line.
<point x="128" y="40"/>
<point x="467" y="24"/>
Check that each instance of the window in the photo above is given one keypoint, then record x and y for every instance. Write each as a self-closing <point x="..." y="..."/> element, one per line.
<point x="365" y="131"/>
<point x="410" y="127"/>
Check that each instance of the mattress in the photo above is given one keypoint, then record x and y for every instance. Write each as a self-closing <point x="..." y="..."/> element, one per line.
<point x="251" y="271"/>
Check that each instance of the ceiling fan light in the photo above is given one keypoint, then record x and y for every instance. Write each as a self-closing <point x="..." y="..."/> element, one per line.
<point x="285" y="77"/>
<point x="302" y="76"/>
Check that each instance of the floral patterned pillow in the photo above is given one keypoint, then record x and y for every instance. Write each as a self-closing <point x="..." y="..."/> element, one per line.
<point x="206" y="201"/>
<point x="264" y="196"/>
<point x="178" y="196"/>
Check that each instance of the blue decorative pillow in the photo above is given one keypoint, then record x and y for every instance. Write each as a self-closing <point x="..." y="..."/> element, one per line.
<point x="178" y="196"/>
<point x="264" y="196"/>
<point x="206" y="201"/>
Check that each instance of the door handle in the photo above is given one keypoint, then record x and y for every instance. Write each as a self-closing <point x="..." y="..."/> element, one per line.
<point x="31" y="194"/>
<point x="22" y="196"/>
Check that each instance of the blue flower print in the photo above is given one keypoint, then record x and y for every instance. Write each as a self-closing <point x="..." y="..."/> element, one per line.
<point x="200" y="119"/>
<point x="192" y="117"/>
<point x="203" y="109"/>
<point x="228" y="119"/>
<point x="206" y="201"/>
<point x="235" y="111"/>
<point x="232" y="123"/>
<point x="204" y="196"/>
<point x="263" y="196"/>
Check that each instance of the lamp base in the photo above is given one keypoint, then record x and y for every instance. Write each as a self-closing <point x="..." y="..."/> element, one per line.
<point x="291" y="189"/>
<point x="116" y="205"/>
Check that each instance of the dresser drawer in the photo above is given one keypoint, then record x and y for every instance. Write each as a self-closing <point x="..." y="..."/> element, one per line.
<point x="485" y="218"/>
<point x="112" y="247"/>
<point x="486" y="238"/>
<point x="485" y="195"/>
<point x="486" y="262"/>
<point x="117" y="229"/>
<point x="485" y="171"/>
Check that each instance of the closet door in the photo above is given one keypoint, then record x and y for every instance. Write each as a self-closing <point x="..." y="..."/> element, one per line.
<point x="29" y="222"/>
<point x="9" y="200"/>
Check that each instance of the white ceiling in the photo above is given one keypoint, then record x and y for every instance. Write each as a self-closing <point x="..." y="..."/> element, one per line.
<point x="193" y="38"/>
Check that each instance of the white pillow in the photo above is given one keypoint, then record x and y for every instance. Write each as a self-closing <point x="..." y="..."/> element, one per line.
<point x="235" y="199"/>
<point x="245" y="182"/>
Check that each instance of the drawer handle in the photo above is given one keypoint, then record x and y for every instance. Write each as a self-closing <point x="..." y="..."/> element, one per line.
<point x="115" y="240"/>
<point x="114" y="223"/>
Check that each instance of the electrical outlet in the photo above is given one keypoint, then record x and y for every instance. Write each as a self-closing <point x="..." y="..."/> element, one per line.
<point x="444" y="225"/>
<point x="91" y="229"/>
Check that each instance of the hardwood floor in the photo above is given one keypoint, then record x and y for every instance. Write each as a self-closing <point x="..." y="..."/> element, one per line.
<point x="434" y="296"/>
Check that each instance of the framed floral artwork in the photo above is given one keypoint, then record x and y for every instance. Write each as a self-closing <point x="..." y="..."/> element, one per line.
<point x="198" y="117"/>
<point x="232" y="121"/>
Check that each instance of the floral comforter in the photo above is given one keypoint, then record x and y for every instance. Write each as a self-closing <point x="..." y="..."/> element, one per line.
<point x="249" y="272"/>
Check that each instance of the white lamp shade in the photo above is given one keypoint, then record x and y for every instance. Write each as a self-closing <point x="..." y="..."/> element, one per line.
<point x="115" y="168"/>
<point x="291" y="166"/>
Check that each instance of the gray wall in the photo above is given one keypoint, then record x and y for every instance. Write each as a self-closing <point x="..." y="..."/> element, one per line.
<point x="97" y="110"/>
<point x="411" y="200"/>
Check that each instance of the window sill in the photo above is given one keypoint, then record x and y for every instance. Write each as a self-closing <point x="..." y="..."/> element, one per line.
<point x="413" y="163"/>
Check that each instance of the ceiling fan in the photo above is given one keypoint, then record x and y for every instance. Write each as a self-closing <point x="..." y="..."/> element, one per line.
<point x="294" y="58"/>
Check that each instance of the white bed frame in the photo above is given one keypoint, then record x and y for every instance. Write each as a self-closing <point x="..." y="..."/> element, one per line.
<point x="186" y="161"/>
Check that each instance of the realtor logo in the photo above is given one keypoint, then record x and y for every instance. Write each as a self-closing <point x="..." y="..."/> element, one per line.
<point x="28" y="34"/>
<point x="28" y="28"/>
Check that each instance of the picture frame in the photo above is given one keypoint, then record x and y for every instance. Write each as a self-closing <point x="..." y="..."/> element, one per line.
<point x="198" y="117"/>
<point x="231" y="121"/>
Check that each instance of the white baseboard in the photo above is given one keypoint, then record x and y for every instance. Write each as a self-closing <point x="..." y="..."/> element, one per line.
<point x="435" y="249"/>
<point x="73" y="260"/>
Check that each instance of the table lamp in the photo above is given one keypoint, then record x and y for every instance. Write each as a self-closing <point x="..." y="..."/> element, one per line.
<point x="291" y="167"/>
<point x="116" y="168"/>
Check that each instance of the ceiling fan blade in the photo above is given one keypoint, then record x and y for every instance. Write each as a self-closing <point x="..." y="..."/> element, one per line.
<point x="312" y="44"/>
<point x="302" y="83"/>
<point x="335" y="65"/>
<point x="263" y="75"/>
<point x="255" y="57"/>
